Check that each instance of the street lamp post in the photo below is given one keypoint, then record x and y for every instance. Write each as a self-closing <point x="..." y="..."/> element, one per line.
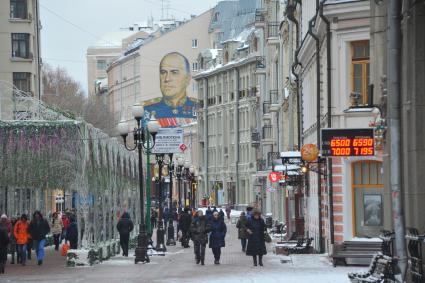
<point x="179" y="174"/>
<point x="186" y="175"/>
<point x="140" y="136"/>
<point x="170" y="229"/>
<point x="160" y="233"/>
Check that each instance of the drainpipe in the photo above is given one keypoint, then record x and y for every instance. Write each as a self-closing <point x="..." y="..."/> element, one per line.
<point x="311" y="23"/>
<point x="329" y="89"/>
<point x="38" y="27"/>
<point x="206" y="182"/>
<point x="394" y="95"/>
<point x="290" y="9"/>
<point x="237" y="132"/>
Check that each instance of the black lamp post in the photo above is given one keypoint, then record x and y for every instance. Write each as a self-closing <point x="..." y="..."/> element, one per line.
<point x="179" y="175"/>
<point x="186" y="176"/>
<point x="140" y="136"/>
<point x="160" y="233"/>
<point x="170" y="229"/>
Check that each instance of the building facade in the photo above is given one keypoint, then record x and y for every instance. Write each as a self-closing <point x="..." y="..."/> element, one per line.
<point x="19" y="52"/>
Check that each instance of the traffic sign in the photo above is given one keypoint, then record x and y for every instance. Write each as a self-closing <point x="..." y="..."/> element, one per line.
<point x="183" y="147"/>
<point x="168" y="140"/>
<point x="274" y="177"/>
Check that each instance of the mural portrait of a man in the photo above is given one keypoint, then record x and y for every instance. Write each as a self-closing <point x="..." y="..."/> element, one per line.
<point x="174" y="107"/>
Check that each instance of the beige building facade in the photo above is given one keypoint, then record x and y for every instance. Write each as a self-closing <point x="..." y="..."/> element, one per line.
<point x="19" y="53"/>
<point x="135" y="76"/>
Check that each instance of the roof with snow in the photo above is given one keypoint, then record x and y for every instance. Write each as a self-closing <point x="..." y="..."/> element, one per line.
<point x="113" y="39"/>
<point x="232" y="17"/>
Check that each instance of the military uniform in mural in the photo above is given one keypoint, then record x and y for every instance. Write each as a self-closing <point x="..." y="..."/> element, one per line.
<point x="174" y="108"/>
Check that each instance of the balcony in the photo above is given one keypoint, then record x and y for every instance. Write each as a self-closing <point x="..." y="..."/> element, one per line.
<point x="255" y="138"/>
<point x="266" y="107"/>
<point x="275" y="101"/>
<point x="261" y="165"/>
<point x="260" y="18"/>
<point x="273" y="33"/>
<point x="260" y="65"/>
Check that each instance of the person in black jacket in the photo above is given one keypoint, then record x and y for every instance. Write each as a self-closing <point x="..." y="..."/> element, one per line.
<point x="217" y="235"/>
<point x="72" y="233"/>
<point x="124" y="227"/>
<point x="38" y="229"/>
<point x="199" y="230"/>
<point x="256" y="244"/>
<point x="184" y="226"/>
<point x="4" y="242"/>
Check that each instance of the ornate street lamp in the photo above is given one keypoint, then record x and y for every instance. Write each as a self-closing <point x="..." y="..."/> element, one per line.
<point x="140" y="136"/>
<point x="186" y="177"/>
<point x="170" y="229"/>
<point x="160" y="233"/>
<point x="179" y="175"/>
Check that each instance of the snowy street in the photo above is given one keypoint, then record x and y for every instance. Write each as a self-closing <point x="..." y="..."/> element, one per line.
<point x="179" y="266"/>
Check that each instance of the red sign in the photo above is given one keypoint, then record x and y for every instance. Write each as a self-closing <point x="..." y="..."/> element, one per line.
<point x="274" y="177"/>
<point x="183" y="147"/>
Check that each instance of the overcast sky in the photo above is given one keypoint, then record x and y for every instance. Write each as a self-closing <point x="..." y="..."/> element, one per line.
<point x="70" y="26"/>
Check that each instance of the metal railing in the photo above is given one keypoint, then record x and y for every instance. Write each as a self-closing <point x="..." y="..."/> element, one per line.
<point x="261" y="62"/>
<point x="273" y="29"/>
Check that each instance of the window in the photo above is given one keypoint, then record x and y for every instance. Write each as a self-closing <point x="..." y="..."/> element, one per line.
<point x="22" y="81"/>
<point x="194" y="66"/>
<point x="194" y="43"/>
<point x="360" y="72"/>
<point x="18" y="9"/>
<point x="20" y="45"/>
<point x="101" y="64"/>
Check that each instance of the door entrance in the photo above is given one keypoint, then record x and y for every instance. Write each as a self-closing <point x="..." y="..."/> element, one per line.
<point x="368" y="198"/>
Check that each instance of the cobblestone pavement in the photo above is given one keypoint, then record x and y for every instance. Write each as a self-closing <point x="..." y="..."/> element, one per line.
<point x="179" y="266"/>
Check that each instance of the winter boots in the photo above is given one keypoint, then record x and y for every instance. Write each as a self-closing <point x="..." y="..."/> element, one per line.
<point x="260" y="260"/>
<point x="255" y="260"/>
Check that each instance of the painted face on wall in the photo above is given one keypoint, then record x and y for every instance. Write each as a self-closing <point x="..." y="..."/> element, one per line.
<point x="174" y="75"/>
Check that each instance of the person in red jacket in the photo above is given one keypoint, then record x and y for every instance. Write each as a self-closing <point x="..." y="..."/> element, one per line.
<point x="22" y="237"/>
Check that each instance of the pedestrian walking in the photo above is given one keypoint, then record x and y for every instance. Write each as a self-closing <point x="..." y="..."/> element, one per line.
<point x="57" y="226"/>
<point x="184" y="226"/>
<point x="228" y="210"/>
<point x="38" y="229"/>
<point x="12" y="244"/>
<point x="199" y="230"/>
<point x="65" y="222"/>
<point x="153" y="218"/>
<point x="72" y="233"/>
<point x="4" y="243"/>
<point x="20" y="231"/>
<point x="242" y="233"/>
<point x="209" y="213"/>
<point x="124" y="227"/>
<point x="221" y="214"/>
<point x="256" y="243"/>
<point x="217" y="235"/>
<point x="165" y="217"/>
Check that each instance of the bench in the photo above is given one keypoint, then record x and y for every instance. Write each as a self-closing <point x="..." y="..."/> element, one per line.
<point x="355" y="250"/>
<point x="301" y="246"/>
<point x="381" y="269"/>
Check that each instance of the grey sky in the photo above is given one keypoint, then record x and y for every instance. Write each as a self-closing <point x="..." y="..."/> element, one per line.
<point x="70" y="26"/>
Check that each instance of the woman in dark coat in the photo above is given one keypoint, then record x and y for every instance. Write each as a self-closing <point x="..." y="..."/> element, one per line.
<point x="124" y="227"/>
<point x="72" y="233"/>
<point x="199" y="230"/>
<point x="218" y="232"/>
<point x="4" y="242"/>
<point x="256" y="244"/>
<point x="242" y="233"/>
<point x="38" y="229"/>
